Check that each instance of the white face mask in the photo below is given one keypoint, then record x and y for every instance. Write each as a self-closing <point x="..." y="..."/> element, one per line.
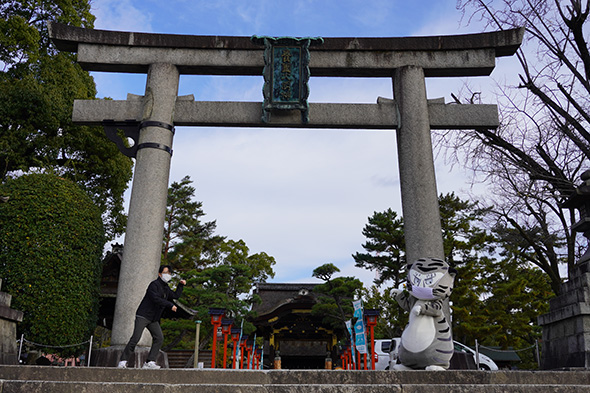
<point x="423" y="293"/>
<point x="166" y="277"/>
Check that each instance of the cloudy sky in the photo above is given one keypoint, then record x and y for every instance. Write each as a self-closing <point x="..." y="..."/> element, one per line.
<point x="302" y="196"/>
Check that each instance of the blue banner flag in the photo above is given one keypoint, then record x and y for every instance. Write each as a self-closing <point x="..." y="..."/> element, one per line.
<point x="349" y="327"/>
<point x="361" y="338"/>
<point x="358" y="308"/>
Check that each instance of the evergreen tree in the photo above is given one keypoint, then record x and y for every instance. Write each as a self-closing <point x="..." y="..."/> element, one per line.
<point x="470" y="319"/>
<point x="384" y="247"/>
<point x="385" y="238"/>
<point x="463" y="239"/>
<point x="335" y="296"/>
<point x="392" y="319"/>
<point x="38" y="86"/>
<point x="468" y="249"/>
<point x="189" y="242"/>
<point x="520" y="292"/>
<point x="227" y="283"/>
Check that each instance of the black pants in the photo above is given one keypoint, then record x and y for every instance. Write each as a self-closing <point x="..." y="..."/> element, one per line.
<point x="157" y="338"/>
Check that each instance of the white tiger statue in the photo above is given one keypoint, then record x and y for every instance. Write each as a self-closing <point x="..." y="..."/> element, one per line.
<point x="427" y="341"/>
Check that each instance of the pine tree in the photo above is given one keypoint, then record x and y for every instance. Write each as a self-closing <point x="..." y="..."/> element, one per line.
<point x="189" y="242"/>
<point x="384" y="247"/>
<point x="335" y="297"/>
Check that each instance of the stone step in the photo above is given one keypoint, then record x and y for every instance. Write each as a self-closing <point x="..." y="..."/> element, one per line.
<point x="112" y="380"/>
<point x="88" y="387"/>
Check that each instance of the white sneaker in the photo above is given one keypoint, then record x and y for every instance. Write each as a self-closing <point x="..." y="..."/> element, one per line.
<point x="151" y="364"/>
<point x="122" y="364"/>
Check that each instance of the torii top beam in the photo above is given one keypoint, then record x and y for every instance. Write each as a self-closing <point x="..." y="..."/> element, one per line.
<point x="439" y="56"/>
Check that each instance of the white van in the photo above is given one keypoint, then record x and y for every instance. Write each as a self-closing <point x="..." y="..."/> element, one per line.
<point x="386" y="352"/>
<point x="485" y="363"/>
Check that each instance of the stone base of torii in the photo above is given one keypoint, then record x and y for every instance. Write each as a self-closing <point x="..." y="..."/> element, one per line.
<point x="164" y="57"/>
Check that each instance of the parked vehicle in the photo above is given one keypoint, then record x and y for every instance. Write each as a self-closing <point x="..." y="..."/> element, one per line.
<point x="386" y="352"/>
<point x="485" y="363"/>
<point x="393" y="351"/>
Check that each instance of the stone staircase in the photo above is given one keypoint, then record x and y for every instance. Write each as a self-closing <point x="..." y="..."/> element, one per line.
<point x="178" y="358"/>
<point x="32" y="379"/>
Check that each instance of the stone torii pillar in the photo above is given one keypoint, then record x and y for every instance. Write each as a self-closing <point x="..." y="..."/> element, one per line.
<point x="147" y="207"/>
<point x="408" y="60"/>
<point x="422" y="227"/>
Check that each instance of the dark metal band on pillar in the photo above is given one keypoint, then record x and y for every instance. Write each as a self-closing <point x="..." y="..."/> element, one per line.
<point x="153" y="145"/>
<point x="152" y="123"/>
<point x="131" y="129"/>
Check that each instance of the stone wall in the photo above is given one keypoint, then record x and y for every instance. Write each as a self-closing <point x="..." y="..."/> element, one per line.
<point x="566" y="327"/>
<point x="8" y="320"/>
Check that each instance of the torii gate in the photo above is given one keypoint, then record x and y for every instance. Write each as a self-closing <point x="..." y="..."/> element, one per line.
<point x="164" y="57"/>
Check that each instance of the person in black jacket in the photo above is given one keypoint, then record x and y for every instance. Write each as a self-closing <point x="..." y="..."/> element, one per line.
<point x="158" y="297"/>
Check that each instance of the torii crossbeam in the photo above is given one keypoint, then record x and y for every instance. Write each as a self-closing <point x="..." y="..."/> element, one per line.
<point x="407" y="60"/>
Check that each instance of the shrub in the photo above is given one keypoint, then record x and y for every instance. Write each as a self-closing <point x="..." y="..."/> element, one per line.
<point x="51" y="242"/>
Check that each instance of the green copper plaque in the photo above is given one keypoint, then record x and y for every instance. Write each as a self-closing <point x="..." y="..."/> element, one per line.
<point x="286" y="74"/>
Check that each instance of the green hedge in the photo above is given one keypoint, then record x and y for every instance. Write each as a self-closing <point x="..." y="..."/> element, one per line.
<point x="51" y="243"/>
